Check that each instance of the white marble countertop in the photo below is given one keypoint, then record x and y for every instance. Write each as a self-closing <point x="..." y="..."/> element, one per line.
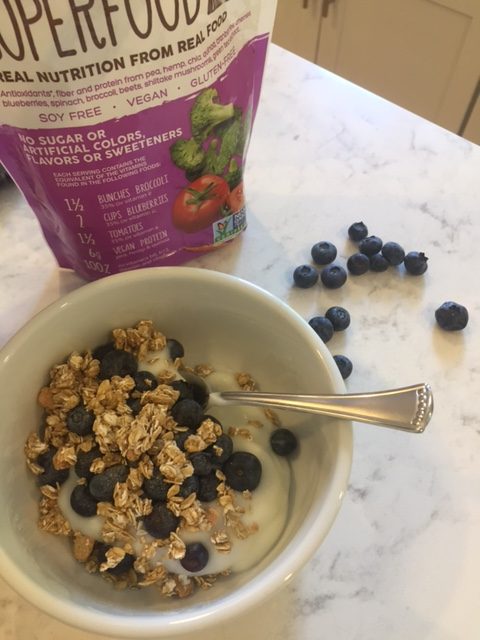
<point x="403" y="557"/>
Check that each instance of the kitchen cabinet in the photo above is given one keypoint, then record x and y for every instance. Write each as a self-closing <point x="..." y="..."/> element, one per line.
<point x="421" y="54"/>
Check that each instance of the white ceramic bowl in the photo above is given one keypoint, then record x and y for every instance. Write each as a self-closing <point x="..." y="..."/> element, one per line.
<point x="222" y="320"/>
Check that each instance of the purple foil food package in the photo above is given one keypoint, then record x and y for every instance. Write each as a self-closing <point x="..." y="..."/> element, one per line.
<point x="125" y="123"/>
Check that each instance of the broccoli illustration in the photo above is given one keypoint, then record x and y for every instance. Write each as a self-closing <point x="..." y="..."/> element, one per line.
<point x="207" y="113"/>
<point x="188" y="155"/>
<point x="234" y="174"/>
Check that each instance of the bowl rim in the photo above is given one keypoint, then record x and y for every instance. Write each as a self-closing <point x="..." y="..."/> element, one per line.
<point x="282" y="568"/>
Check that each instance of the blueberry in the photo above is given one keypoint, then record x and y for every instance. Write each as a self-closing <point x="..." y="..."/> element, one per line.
<point x="305" y="276"/>
<point x="185" y="390"/>
<point x="99" y="555"/>
<point x="187" y="413"/>
<point x="394" y="253"/>
<point x="50" y="475"/>
<point x="102" y="485"/>
<point x="118" y="363"/>
<point x="225" y="443"/>
<point x="243" y="471"/>
<point x="80" y="420"/>
<point x="156" y="488"/>
<point x="135" y="405"/>
<point x="101" y="351"/>
<point x="324" y="252"/>
<point x="188" y="486"/>
<point x="358" y="264"/>
<point x="195" y="558"/>
<point x="283" y="442"/>
<point x="99" y="552"/>
<point x="125" y="564"/>
<point x="370" y="245"/>
<point x="199" y="394"/>
<point x="378" y="263"/>
<point x="160" y="522"/>
<point x="202" y="463"/>
<point x="181" y="436"/>
<point x="207" y="487"/>
<point x="175" y="349"/>
<point x="344" y="365"/>
<point x="452" y="316"/>
<point x="333" y="276"/>
<point x="145" y="381"/>
<point x="82" y="501"/>
<point x="339" y="317"/>
<point x="415" y="263"/>
<point x="213" y="419"/>
<point x="322" y="327"/>
<point x="84" y="462"/>
<point x="357" y="231"/>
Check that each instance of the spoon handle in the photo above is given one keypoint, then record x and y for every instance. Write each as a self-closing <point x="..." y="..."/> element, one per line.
<point x="408" y="408"/>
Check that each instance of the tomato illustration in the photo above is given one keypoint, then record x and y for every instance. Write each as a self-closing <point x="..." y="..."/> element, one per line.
<point x="200" y="204"/>
<point x="236" y="198"/>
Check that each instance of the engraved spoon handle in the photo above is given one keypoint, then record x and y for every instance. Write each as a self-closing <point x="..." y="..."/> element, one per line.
<point x="408" y="408"/>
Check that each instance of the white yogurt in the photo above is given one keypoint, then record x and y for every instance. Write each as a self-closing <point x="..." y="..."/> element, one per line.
<point x="267" y="508"/>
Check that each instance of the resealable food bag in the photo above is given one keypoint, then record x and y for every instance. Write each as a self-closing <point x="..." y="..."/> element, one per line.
<point x="125" y="123"/>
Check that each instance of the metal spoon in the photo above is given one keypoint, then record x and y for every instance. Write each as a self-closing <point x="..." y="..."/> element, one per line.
<point x="408" y="408"/>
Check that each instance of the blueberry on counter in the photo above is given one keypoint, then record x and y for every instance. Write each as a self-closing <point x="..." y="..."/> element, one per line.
<point x="102" y="485"/>
<point x="378" y="263"/>
<point x="80" y="420"/>
<point x="195" y="558"/>
<point x="451" y="316"/>
<point x="187" y="413"/>
<point x="323" y="252"/>
<point x="370" y="245"/>
<point x="161" y="522"/>
<point x="344" y="365"/>
<point x="322" y="327"/>
<point x="243" y="471"/>
<point x="358" y="264"/>
<point x="82" y="501"/>
<point x="415" y="263"/>
<point x="357" y="231"/>
<point x="333" y="276"/>
<point x="117" y="363"/>
<point x="175" y="349"/>
<point x="283" y="442"/>
<point x="305" y="276"/>
<point x="394" y="253"/>
<point x="339" y="317"/>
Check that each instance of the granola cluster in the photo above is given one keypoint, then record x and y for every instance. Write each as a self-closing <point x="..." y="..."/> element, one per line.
<point x="145" y="443"/>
